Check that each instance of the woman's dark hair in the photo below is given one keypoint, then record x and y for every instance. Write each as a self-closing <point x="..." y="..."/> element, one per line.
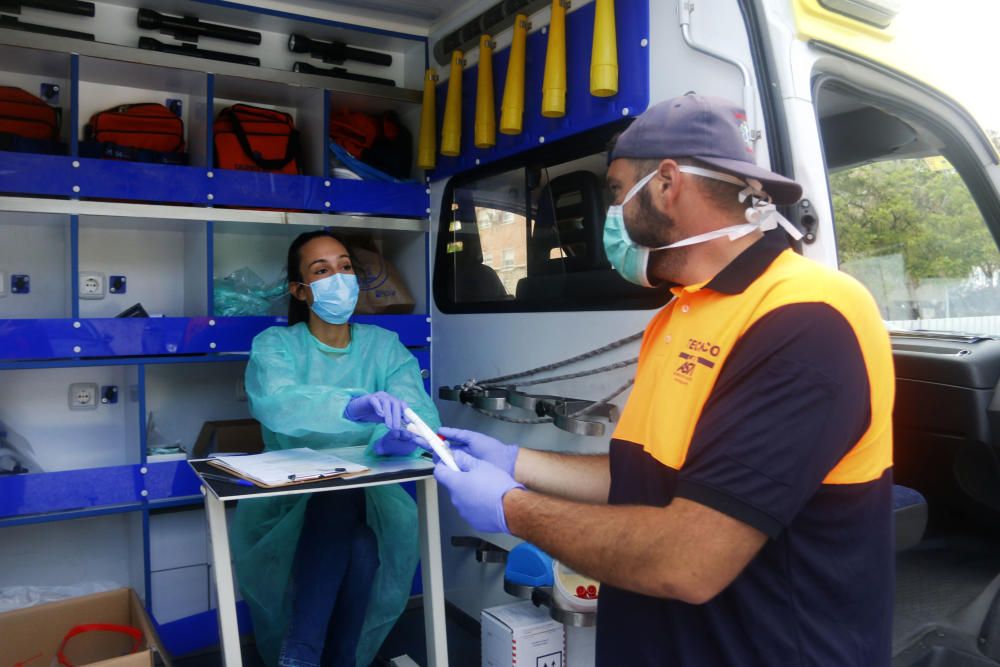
<point x="298" y="311"/>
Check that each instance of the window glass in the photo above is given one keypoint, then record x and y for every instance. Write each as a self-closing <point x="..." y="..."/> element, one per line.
<point x="910" y="231"/>
<point x="531" y="239"/>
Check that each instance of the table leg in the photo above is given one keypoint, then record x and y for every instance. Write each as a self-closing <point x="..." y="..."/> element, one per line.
<point x="229" y="632"/>
<point x="433" y="575"/>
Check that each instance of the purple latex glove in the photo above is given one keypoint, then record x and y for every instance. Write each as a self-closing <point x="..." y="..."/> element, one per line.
<point x="377" y="408"/>
<point x="477" y="492"/>
<point x="396" y="443"/>
<point x="481" y="446"/>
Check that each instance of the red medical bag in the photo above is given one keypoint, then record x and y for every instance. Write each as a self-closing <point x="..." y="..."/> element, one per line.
<point x="255" y="139"/>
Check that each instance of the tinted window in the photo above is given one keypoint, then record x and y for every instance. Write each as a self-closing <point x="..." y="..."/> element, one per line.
<point x="530" y="239"/>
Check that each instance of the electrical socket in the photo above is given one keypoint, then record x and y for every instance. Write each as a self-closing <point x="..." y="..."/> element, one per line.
<point x="92" y="285"/>
<point x="83" y="396"/>
<point x="3" y="284"/>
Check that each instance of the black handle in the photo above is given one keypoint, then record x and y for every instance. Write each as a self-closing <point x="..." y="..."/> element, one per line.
<point x="340" y="73"/>
<point x="75" y="7"/>
<point x="336" y="52"/>
<point x="291" y="150"/>
<point x="12" y="23"/>
<point x="190" y="28"/>
<point x="190" y="50"/>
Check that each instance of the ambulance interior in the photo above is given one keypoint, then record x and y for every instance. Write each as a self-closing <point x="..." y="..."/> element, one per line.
<point x="947" y="446"/>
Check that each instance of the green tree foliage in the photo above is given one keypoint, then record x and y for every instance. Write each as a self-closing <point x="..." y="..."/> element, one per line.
<point x="925" y="214"/>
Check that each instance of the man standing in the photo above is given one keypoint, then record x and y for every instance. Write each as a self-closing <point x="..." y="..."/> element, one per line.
<point x="743" y="513"/>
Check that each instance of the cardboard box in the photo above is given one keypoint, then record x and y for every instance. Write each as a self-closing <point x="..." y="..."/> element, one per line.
<point x="522" y="635"/>
<point x="33" y="635"/>
<point x="231" y="435"/>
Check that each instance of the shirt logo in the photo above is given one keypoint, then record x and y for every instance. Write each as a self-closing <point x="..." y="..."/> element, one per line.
<point x="696" y="353"/>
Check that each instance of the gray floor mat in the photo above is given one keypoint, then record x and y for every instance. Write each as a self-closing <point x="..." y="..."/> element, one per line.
<point x="939" y="577"/>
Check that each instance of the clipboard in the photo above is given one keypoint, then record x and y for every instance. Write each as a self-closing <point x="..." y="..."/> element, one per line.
<point x="288" y="467"/>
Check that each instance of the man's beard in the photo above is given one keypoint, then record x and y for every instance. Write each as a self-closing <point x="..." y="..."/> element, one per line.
<point x="655" y="229"/>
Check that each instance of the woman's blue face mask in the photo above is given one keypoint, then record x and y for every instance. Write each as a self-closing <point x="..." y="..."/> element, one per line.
<point x="335" y="297"/>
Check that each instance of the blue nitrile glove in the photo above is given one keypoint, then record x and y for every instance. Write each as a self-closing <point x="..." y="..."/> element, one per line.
<point x="396" y="443"/>
<point x="477" y="492"/>
<point x="481" y="446"/>
<point x="376" y="408"/>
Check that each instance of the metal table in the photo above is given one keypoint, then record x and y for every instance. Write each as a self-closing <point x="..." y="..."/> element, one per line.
<point x="382" y="471"/>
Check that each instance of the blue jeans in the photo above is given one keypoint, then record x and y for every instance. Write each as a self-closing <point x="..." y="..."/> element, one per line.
<point x="335" y="565"/>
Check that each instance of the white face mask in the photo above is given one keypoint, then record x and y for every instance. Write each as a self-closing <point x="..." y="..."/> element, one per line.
<point x="631" y="259"/>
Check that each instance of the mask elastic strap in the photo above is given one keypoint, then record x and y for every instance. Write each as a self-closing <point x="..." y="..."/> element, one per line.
<point x="714" y="175"/>
<point x="638" y="186"/>
<point x="761" y="215"/>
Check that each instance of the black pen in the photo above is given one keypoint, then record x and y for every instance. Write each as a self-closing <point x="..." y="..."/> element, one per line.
<point x="292" y="478"/>
<point x="223" y="478"/>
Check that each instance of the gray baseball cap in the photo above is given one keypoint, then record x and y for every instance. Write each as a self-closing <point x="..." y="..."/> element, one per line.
<point x="710" y="129"/>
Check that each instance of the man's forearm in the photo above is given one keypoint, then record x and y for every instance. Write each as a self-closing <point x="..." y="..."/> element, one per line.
<point x="582" y="478"/>
<point x="683" y="551"/>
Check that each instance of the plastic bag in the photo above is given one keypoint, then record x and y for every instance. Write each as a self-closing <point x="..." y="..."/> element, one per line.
<point x="243" y="292"/>
<point x="19" y="597"/>
<point x="16" y="454"/>
<point x="382" y="289"/>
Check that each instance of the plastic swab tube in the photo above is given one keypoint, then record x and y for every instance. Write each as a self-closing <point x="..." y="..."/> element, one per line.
<point x="418" y="426"/>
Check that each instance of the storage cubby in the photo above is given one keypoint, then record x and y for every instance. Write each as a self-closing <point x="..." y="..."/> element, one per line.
<point x="35" y="413"/>
<point x="178" y="563"/>
<point x="164" y="262"/>
<point x="407" y="114"/>
<point x="105" y="84"/>
<point x="30" y="69"/>
<point x="97" y="551"/>
<point x="264" y="250"/>
<point x="304" y="105"/>
<point x="181" y="397"/>
<point x="36" y="245"/>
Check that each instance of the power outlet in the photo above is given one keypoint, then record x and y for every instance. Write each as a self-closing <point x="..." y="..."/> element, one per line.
<point x="83" y="396"/>
<point x="92" y="285"/>
<point x="3" y="284"/>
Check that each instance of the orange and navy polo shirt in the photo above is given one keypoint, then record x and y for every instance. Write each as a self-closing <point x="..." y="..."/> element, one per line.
<point x="766" y="394"/>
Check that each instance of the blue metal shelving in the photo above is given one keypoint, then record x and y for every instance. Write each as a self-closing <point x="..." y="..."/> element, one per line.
<point x="37" y="340"/>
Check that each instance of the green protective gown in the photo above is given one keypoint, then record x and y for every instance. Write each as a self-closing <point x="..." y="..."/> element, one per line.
<point x="298" y="388"/>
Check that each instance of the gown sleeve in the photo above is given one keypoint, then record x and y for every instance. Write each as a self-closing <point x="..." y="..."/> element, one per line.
<point x="403" y="380"/>
<point x="286" y="406"/>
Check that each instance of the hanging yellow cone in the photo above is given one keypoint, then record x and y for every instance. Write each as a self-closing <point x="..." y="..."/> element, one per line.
<point x="554" y="81"/>
<point x="604" y="52"/>
<point x="451" y="128"/>
<point x="512" y="106"/>
<point x="427" y="147"/>
<point x="486" y="124"/>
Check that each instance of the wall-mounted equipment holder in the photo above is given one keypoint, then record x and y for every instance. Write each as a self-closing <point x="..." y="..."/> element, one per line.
<point x="583" y="111"/>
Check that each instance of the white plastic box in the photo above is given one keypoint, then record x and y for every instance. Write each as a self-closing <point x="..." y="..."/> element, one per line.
<point x="521" y="635"/>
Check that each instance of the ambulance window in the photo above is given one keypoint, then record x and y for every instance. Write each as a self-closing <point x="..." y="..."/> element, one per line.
<point x="908" y="228"/>
<point x="527" y="236"/>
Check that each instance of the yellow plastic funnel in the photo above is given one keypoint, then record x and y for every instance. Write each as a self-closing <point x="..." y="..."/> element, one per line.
<point x="512" y="106"/>
<point x="451" y="129"/>
<point x="554" y="81"/>
<point x="427" y="147"/>
<point x="486" y="124"/>
<point x="604" y="52"/>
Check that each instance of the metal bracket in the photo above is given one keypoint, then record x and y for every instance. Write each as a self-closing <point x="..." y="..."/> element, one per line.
<point x="542" y="597"/>
<point x="486" y="552"/>
<point x="493" y="398"/>
<point x="561" y="410"/>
